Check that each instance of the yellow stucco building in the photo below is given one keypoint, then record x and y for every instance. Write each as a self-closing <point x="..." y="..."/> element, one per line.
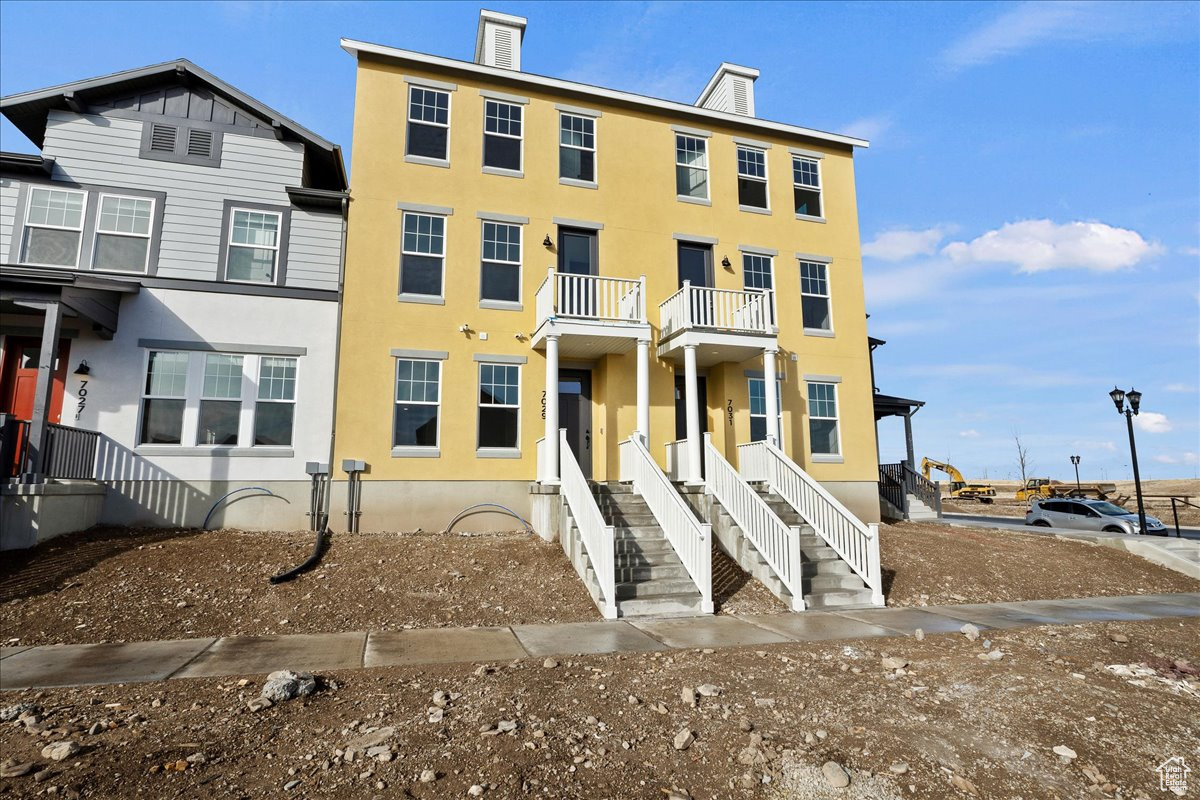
<point x="527" y="254"/>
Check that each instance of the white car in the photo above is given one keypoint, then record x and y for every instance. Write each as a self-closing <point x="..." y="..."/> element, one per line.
<point x="1089" y="515"/>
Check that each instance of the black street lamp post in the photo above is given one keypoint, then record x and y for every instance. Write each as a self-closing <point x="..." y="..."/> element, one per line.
<point x="1135" y="402"/>
<point x="1075" y="461"/>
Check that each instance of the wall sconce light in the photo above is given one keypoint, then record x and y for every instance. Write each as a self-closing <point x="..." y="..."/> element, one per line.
<point x="546" y="242"/>
<point x="83" y="368"/>
<point x="725" y="263"/>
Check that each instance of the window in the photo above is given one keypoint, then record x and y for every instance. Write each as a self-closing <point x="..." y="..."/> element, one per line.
<point x="814" y="296"/>
<point x="418" y="393"/>
<point x="758" y="410"/>
<point x="500" y="278"/>
<point x="752" y="177"/>
<point x="123" y="233"/>
<point x="577" y="148"/>
<point x="499" y="405"/>
<point x="275" y="410"/>
<point x="756" y="271"/>
<point x="220" y="400"/>
<point x="422" y="255"/>
<point x="163" y="398"/>
<point x="691" y="167"/>
<point x="806" y="177"/>
<point x="428" y="123"/>
<point x="253" y="252"/>
<point x="53" y="227"/>
<point x="501" y="135"/>
<point x="822" y="419"/>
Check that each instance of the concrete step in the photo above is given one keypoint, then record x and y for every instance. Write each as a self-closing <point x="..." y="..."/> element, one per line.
<point x="826" y="567"/>
<point x="654" y="588"/>
<point x="658" y="572"/>
<point x="630" y="519"/>
<point x="683" y="604"/>
<point x="643" y="558"/>
<point x="818" y="583"/>
<point x="843" y="598"/>
<point x="639" y="533"/>
<point x="644" y="547"/>
<point x="612" y="487"/>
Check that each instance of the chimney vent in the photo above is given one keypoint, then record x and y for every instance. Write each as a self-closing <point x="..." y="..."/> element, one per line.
<point x="731" y="89"/>
<point x="498" y="41"/>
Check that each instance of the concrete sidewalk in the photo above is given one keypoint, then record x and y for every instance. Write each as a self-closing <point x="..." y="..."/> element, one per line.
<point x="139" y="662"/>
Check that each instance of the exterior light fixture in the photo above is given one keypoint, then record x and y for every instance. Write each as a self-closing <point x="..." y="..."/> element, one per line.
<point x="546" y="242"/>
<point x="1135" y="401"/>
<point x="725" y="262"/>
<point x="83" y="368"/>
<point x="1075" y="460"/>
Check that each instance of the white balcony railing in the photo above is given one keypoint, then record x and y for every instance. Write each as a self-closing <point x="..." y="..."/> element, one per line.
<point x="591" y="297"/>
<point x="718" y="309"/>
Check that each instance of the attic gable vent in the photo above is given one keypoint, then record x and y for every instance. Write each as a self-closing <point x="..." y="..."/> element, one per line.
<point x="498" y="40"/>
<point x="162" y="138"/>
<point x="200" y="143"/>
<point x="730" y="89"/>
<point x="504" y="48"/>
<point x="741" y="102"/>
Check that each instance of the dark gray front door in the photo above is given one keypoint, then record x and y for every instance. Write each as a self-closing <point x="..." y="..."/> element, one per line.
<point x="681" y="406"/>
<point x="695" y="264"/>
<point x="575" y="414"/>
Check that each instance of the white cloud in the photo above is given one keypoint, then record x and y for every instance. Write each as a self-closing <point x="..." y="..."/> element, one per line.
<point x="898" y="245"/>
<point x="1180" y="388"/>
<point x="1183" y="458"/>
<point x="969" y="434"/>
<point x="869" y="128"/>
<point x="1152" y="422"/>
<point x="898" y="286"/>
<point x="1190" y="251"/>
<point x="1038" y="245"/>
<point x="1086" y="445"/>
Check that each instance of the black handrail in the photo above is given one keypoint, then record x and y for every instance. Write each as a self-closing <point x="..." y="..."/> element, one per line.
<point x="1175" y="513"/>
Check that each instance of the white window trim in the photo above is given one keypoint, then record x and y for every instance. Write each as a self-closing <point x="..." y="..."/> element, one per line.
<point x="240" y="400"/>
<point x="687" y="198"/>
<point x="412" y="450"/>
<point x="826" y="458"/>
<point x="145" y="395"/>
<point x="83" y="211"/>
<point x="411" y="297"/>
<point x="819" y="188"/>
<point x="497" y="452"/>
<point x="492" y="303"/>
<point x="255" y="400"/>
<point x="819" y="332"/>
<point x="765" y="180"/>
<point x="519" y="172"/>
<point x="148" y="235"/>
<point x="408" y="120"/>
<point x="229" y="245"/>
<point x="778" y="402"/>
<point x="594" y="183"/>
<point x="770" y="270"/>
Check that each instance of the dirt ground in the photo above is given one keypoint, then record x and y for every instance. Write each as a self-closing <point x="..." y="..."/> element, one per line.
<point x="948" y="725"/>
<point x="119" y="585"/>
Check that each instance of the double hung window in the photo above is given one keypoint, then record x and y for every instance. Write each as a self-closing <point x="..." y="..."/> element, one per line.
<point x="423" y="255"/>
<point x="417" y="401"/>
<point x="500" y="277"/>
<point x="758" y="410"/>
<point x="752" y="177"/>
<point x="275" y="409"/>
<point x="428" y="123"/>
<point x="806" y="179"/>
<point x="123" y="233"/>
<point x="691" y="167"/>
<point x="499" y="406"/>
<point x="53" y="227"/>
<point x="823" y="419"/>
<point x="502" y="126"/>
<point x="814" y="296"/>
<point x="756" y="271"/>
<point x="577" y="148"/>
<point x="253" y="246"/>
<point x="220" y="400"/>
<point x="164" y="396"/>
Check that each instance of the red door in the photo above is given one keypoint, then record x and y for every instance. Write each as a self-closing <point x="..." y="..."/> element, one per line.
<point x="19" y="381"/>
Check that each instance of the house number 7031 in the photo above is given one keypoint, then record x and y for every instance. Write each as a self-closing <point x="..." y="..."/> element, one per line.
<point x="729" y="409"/>
<point x="82" y="399"/>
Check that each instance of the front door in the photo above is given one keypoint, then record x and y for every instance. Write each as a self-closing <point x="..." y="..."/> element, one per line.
<point x="695" y="266"/>
<point x="575" y="414"/>
<point x="19" y="381"/>
<point x="681" y="406"/>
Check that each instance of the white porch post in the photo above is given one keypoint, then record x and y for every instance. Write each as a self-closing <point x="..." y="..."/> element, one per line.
<point x="550" y="468"/>
<point x="771" y="395"/>
<point x="693" y="414"/>
<point x="643" y="389"/>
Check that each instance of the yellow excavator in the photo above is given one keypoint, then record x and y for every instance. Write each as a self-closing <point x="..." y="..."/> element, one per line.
<point x="959" y="488"/>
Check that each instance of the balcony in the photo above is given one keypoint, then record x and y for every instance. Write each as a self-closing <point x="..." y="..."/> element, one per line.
<point x="722" y="324"/>
<point x="592" y="315"/>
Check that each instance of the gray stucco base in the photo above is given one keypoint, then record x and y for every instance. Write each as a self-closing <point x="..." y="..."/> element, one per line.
<point x="185" y="504"/>
<point x="860" y="497"/>
<point x="31" y="514"/>
<point x="431" y="505"/>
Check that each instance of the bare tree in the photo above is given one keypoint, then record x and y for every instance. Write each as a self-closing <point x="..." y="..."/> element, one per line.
<point x="1023" y="462"/>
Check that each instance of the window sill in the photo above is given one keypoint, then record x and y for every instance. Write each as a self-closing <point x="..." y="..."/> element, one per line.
<point x="501" y="305"/>
<point x="426" y="299"/>
<point x="427" y="161"/>
<point x="508" y="173"/>
<point x="416" y="452"/>
<point x="807" y="218"/>
<point x="820" y="332"/>
<point x="824" y="458"/>
<point x="223" y="451"/>
<point x="498" y="452"/>
<point x="577" y="182"/>
<point x="698" y="201"/>
<point x="754" y="210"/>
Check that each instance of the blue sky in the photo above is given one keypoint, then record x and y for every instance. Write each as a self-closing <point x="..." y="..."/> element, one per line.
<point x="1029" y="207"/>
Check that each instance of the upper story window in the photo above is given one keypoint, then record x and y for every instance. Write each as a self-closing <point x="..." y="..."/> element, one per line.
<point x="756" y="271"/>
<point x="806" y="177"/>
<point x="577" y="148"/>
<point x="53" y="227"/>
<point x="123" y="233"/>
<point x="423" y="255"/>
<point x="428" y="123"/>
<point x="253" y="246"/>
<point x="500" y="273"/>
<point x="814" y="296"/>
<point x="752" y="177"/>
<point x="502" y="135"/>
<point x="691" y="167"/>
<point x="183" y="144"/>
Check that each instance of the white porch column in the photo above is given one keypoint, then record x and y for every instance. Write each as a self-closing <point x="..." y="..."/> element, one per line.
<point x="771" y="395"/>
<point x="643" y="390"/>
<point x="550" y="468"/>
<point x="693" y="414"/>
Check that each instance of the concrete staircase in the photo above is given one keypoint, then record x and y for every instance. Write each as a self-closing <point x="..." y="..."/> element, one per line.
<point x="917" y="510"/>
<point x="650" y="578"/>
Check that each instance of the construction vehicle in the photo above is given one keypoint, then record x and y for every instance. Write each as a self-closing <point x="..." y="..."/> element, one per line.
<point x="959" y="488"/>
<point x="1045" y="487"/>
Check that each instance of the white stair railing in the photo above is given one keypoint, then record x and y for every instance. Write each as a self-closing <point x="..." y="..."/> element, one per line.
<point x="778" y="542"/>
<point x="597" y="537"/>
<point x="690" y="538"/>
<point x="856" y="542"/>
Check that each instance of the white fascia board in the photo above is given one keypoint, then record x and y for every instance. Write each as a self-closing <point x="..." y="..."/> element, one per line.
<point x="357" y="48"/>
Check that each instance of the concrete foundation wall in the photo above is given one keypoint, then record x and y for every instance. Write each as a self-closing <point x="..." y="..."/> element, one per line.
<point x="184" y="504"/>
<point x="431" y="505"/>
<point x="31" y="514"/>
<point x="860" y="497"/>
